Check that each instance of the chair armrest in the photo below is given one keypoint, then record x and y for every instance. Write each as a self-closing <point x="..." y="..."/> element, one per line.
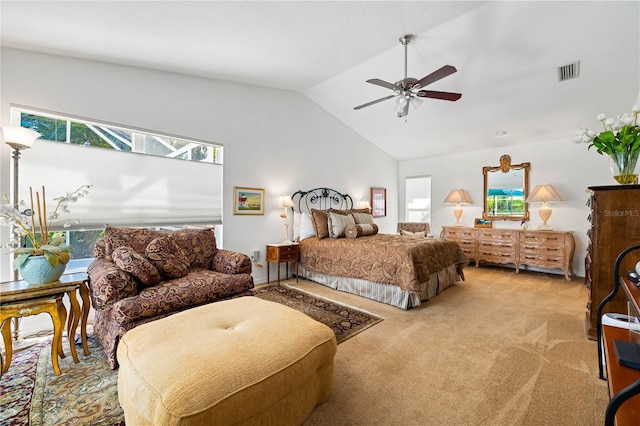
<point x="231" y="262"/>
<point x="108" y="283"/>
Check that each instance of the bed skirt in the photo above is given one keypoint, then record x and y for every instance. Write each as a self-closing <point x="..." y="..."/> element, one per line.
<point x="387" y="293"/>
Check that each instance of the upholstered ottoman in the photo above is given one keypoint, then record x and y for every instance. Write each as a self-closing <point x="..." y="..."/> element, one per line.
<point x="239" y="361"/>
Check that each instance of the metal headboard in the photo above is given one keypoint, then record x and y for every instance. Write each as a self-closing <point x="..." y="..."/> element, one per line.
<point x="320" y="199"/>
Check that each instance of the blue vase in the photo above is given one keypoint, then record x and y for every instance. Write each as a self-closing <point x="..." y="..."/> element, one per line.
<point x="38" y="270"/>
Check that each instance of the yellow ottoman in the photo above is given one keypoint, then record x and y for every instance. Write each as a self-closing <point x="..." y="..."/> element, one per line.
<point x="239" y="361"/>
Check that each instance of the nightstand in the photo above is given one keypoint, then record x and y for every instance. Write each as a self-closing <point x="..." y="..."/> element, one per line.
<point x="282" y="252"/>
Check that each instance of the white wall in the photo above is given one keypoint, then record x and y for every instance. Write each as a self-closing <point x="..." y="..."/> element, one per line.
<point x="569" y="167"/>
<point x="273" y="139"/>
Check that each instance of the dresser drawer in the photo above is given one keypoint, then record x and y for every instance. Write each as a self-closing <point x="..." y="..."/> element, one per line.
<point x="493" y="257"/>
<point x="459" y="234"/>
<point x="493" y="236"/>
<point x="542" y="261"/>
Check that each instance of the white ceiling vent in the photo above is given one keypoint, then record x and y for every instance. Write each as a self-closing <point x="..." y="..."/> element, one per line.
<point x="568" y="72"/>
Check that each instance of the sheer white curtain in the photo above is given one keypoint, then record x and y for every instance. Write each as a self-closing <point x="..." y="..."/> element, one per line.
<point x="128" y="188"/>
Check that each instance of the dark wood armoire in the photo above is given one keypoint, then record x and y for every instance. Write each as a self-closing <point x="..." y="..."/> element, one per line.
<point x="615" y="225"/>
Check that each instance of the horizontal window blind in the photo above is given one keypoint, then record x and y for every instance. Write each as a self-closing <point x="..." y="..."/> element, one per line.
<point x="129" y="189"/>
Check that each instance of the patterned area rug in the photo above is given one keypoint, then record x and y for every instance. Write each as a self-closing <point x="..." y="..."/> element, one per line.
<point x="345" y="321"/>
<point x="84" y="394"/>
<point x="87" y="393"/>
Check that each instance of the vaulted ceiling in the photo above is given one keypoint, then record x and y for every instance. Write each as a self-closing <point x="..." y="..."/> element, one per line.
<point x="506" y="54"/>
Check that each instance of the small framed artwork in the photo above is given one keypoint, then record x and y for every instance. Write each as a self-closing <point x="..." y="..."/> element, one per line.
<point x="378" y="202"/>
<point x="248" y="200"/>
<point x="481" y="222"/>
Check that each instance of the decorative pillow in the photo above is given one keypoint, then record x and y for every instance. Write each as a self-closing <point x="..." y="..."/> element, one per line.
<point x="198" y="243"/>
<point x="413" y="234"/>
<point x="297" y="219"/>
<point x="349" y="211"/>
<point x="362" y="230"/>
<point x="306" y="226"/>
<point x="168" y="257"/>
<point x="338" y="223"/>
<point x="136" y="238"/>
<point x="320" y="223"/>
<point x="362" y="217"/>
<point x="134" y="263"/>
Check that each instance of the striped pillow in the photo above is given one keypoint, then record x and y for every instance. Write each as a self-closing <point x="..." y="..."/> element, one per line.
<point x="362" y="230"/>
<point x="362" y="217"/>
<point x="338" y="223"/>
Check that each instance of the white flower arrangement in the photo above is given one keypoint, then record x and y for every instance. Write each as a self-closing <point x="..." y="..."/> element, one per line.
<point x="35" y="226"/>
<point x="619" y="136"/>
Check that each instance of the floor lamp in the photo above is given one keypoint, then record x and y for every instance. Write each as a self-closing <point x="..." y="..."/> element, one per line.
<point x="18" y="138"/>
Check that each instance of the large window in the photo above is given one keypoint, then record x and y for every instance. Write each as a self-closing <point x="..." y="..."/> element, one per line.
<point x="138" y="178"/>
<point x="418" y="199"/>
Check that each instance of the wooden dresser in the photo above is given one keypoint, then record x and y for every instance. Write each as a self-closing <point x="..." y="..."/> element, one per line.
<point x="538" y="249"/>
<point x="615" y="226"/>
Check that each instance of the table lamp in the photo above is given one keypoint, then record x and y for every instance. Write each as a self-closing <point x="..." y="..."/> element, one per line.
<point x="286" y="202"/>
<point x="544" y="194"/>
<point x="457" y="197"/>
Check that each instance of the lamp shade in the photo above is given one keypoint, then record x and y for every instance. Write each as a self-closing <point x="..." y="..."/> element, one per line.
<point x="17" y="135"/>
<point x="457" y="196"/>
<point x="364" y="204"/>
<point x="285" y="201"/>
<point x="544" y="194"/>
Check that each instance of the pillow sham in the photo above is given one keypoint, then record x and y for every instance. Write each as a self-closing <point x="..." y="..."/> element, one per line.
<point x="320" y="223"/>
<point x="168" y="257"/>
<point x="362" y="217"/>
<point x="413" y="234"/>
<point x="306" y="227"/>
<point x="134" y="263"/>
<point x="297" y="219"/>
<point x="362" y="230"/>
<point x="338" y="223"/>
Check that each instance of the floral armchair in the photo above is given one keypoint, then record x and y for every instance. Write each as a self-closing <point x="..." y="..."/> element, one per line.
<point x="141" y="275"/>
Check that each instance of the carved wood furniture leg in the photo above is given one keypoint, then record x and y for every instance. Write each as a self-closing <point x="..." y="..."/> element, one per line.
<point x="72" y="323"/>
<point x="8" y="344"/>
<point x="55" y="310"/>
<point x="62" y="314"/>
<point x="86" y="305"/>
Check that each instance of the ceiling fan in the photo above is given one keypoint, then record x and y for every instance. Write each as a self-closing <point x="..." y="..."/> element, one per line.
<point x="409" y="90"/>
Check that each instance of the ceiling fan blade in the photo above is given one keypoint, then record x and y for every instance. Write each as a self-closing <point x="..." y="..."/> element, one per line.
<point x="382" y="83"/>
<point x="436" y="75"/>
<point x="446" y="96"/>
<point x="374" y="102"/>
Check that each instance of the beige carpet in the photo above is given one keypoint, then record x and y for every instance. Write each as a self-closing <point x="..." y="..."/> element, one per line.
<point x="497" y="349"/>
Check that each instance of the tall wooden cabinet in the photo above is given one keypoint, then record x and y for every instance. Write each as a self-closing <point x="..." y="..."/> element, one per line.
<point x="615" y="226"/>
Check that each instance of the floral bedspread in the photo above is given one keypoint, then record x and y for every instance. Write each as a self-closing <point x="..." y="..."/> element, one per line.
<point x="399" y="260"/>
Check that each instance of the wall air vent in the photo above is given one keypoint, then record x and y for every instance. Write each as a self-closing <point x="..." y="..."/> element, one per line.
<point x="569" y="72"/>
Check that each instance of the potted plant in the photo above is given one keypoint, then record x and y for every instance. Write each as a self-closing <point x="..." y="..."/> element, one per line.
<point x="44" y="256"/>
<point x="620" y="139"/>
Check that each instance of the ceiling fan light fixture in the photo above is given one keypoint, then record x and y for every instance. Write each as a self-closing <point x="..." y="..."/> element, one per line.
<point x="409" y="89"/>
<point x="416" y="102"/>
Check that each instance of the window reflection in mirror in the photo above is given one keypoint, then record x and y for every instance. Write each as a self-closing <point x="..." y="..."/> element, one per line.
<point x="506" y="188"/>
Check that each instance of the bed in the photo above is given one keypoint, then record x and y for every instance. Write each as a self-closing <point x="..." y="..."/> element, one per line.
<point x="341" y="248"/>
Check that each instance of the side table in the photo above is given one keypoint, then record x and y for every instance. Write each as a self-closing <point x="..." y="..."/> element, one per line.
<point x="20" y="299"/>
<point x="283" y="252"/>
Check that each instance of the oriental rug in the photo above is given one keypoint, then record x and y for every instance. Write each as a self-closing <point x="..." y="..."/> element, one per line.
<point x="345" y="321"/>
<point x="87" y="393"/>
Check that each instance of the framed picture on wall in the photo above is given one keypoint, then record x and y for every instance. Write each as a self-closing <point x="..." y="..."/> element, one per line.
<point x="378" y="202"/>
<point x="248" y="200"/>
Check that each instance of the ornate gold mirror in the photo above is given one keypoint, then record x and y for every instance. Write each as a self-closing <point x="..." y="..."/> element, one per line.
<point x="506" y="188"/>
